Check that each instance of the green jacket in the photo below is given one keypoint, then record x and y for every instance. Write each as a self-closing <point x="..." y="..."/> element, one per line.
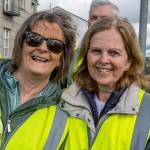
<point x="11" y="122"/>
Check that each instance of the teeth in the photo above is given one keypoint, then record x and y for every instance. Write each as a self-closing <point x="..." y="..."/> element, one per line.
<point x="39" y="59"/>
<point x="104" y="70"/>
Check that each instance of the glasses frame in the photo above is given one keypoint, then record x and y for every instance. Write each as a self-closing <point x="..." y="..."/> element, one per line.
<point x="44" y="39"/>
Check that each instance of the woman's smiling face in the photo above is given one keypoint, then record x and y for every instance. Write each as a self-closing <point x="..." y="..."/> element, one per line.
<point x="39" y="60"/>
<point x="107" y="58"/>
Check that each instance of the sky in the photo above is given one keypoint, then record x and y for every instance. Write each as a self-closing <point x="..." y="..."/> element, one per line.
<point x="128" y="8"/>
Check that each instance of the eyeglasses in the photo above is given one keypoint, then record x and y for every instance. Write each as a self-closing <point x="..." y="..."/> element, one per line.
<point x="34" y="40"/>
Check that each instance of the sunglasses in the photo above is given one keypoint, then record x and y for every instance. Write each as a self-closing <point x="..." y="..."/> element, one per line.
<point x="34" y="40"/>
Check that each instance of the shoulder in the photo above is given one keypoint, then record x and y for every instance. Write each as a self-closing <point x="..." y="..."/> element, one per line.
<point x="5" y="61"/>
<point x="72" y="89"/>
<point x="62" y="112"/>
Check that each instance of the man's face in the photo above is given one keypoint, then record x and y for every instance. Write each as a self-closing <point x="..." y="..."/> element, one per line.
<point x="99" y="12"/>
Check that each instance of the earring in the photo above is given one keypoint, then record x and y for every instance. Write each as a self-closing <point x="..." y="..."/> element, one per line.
<point x="58" y="68"/>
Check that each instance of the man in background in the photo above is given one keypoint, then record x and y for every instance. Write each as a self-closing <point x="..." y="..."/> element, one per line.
<point x="101" y="8"/>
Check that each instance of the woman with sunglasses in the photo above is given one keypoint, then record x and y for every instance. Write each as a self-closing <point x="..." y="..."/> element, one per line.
<point x="29" y="93"/>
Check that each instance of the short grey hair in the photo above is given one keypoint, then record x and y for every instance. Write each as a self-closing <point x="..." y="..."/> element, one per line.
<point x="96" y="3"/>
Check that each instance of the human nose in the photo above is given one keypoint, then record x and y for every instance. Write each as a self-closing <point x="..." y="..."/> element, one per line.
<point x="104" y="58"/>
<point x="43" y="47"/>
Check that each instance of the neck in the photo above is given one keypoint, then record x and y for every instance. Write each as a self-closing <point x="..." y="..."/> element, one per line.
<point x="104" y="93"/>
<point x="30" y="86"/>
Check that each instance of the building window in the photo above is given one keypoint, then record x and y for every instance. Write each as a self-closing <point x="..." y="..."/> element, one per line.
<point x="6" y="43"/>
<point x="6" y="5"/>
<point x="33" y="8"/>
<point x="22" y="4"/>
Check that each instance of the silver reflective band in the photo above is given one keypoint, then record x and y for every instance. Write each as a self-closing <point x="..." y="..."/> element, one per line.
<point x="142" y="125"/>
<point x="57" y="130"/>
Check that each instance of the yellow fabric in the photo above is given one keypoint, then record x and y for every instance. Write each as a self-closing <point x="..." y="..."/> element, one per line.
<point x="116" y="132"/>
<point x="63" y="90"/>
<point x="1" y="57"/>
<point x="77" y="138"/>
<point x="77" y="64"/>
<point x="141" y="93"/>
<point x="33" y="134"/>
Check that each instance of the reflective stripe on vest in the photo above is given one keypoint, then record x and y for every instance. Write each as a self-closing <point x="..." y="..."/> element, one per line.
<point x="116" y="131"/>
<point x="139" y="137"/>
<point x="54" y="140"/>
<point x="77" y="138"/>
<point x="34" y="132"/>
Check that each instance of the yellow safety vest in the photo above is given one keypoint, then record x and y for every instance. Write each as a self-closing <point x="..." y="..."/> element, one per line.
<point x="77" y="138"/>
<point x="116" y="132"/>
<point x="1" y="57"/>
<point x="33" y="133"/>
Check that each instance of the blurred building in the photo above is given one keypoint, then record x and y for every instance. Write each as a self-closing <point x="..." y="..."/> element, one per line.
<point x="12" y="14"/>
<point x="81" y="24"/>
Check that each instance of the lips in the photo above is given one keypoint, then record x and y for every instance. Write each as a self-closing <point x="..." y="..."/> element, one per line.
<point x="104" y="70"/>
<point x="36" y="58"/>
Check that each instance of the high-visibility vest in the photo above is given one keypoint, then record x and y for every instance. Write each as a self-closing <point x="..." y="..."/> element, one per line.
<point x="77" y="138"/>
<point x="117" y="132"/>
<point x="67" y="81"/>
<point x="45" y="129"/>
<point x="125" y="131"/>
<point x="77" y="63"/>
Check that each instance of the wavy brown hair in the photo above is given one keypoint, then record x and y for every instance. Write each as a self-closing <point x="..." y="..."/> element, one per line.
<point x="135" y="72"/>
<point x="65" y="22"/>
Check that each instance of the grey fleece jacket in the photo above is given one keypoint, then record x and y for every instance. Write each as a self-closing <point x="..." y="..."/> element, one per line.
<point x="74" y="102"/>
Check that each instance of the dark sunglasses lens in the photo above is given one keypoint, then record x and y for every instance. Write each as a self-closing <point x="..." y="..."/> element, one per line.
<point x="33" y="39"/>
<point x="55" y="46"/>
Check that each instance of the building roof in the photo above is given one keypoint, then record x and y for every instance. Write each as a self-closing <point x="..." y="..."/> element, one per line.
<point x="57" y="7"/>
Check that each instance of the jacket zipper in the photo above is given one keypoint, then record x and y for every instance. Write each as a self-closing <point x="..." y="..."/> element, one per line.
<point x="7" y="128"/>
<point x="8" y="125"/>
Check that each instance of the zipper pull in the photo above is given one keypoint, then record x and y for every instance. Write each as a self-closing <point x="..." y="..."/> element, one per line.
<point x="8" y="127"/>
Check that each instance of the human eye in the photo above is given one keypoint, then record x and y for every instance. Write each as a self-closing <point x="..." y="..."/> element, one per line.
<point x="93" y="18"/>
<point x="114" y="53"/>
<point x="96" y="51"/>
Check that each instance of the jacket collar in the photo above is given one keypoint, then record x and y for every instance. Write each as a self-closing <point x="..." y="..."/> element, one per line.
<point x="74" y="102"/>
<point x="51" y="94"/>
<point x="128" y="102"/>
